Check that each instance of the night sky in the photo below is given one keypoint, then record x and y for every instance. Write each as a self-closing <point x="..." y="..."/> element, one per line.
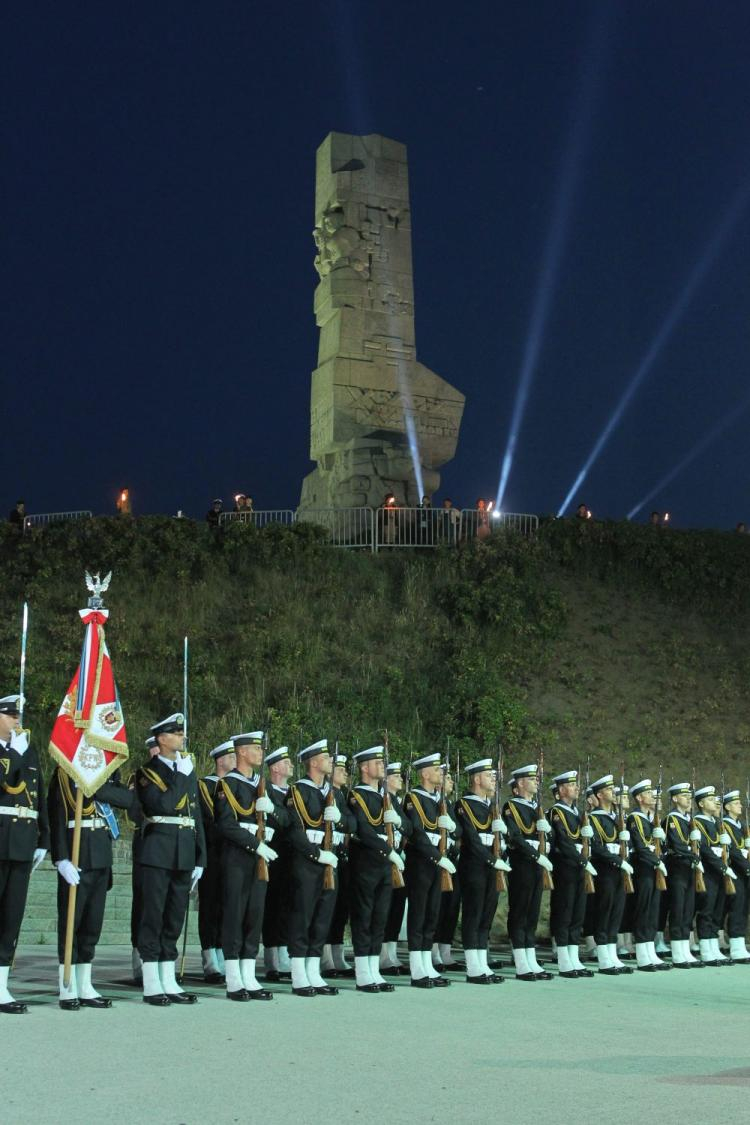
<point x="158" y="207"/>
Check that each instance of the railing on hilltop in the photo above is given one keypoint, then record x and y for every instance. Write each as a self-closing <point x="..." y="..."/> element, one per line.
<point x="44" y="519"/>
<point x="259" y="519"/>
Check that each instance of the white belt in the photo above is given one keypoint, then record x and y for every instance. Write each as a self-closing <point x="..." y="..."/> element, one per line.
<point x="92" y="822"/>
<point x="314" y="835"/>
<point x="337" y="838"/>
<point x="21" y="811"/>
<point x="433" y="837"/>
<point x="613" y="849"/>
<point x="487" y="838"/>
<point x="183" y="821"/>
<point x="717" y="852"/>
<point x="251" y="828"/>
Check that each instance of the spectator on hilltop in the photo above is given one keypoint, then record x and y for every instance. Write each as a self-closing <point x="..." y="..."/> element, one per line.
<point x="213" y="515"/>
<point x="17" y="515"/>
<point x="425" y="524"/>
<point x="741" y="528"/>
<point x="582" y="512"/>
<point x="124" y="507"/>
<point x="451" y="519"/>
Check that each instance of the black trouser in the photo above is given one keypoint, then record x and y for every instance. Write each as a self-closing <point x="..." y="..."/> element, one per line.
<point x="276" y="914"/>
<point x="423" y="890"/>
<point x="450" y="905"/>
<point x="91" y="898"/>
<point x="589" y="915"/>
<point x="341" y="909"/>
<point x="311" y="908"/>
<point x="210" y="902"/>
<point x="479" y="898"/>
<point x="610" y="903"/>
<point x="136" y="905"/>
<point x="737" y="909"/>
<point x="395" y="914"/>
<point x="524" y="901"/>
<point x="14" y="886"/>
<point x="681" y="895"/>
<point x="243" y="900"/>
<point x="370" y="890"/>
<point x="709" y="906"/>
<point x="165" y="902"/>
<point x="645" y="903"/>
<point x="567" y="904"/>
<point x="627" y="921"/>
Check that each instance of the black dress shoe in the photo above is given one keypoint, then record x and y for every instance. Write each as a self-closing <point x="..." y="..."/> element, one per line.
<point x="493" y="978"/>
<point x="182" y="997"/>
<point x="369" y="987"/>
<point x="623" y="970"/>
<point x="495" y="964"/>
<point x="272" y="975"/>
<point x="14" y="1008"/>
<point x="213" y="978"/>
<point x="421" y="982"/>
<point x="338" y="974"/>
<point x="259" y="994"/>
<point x="610" y="972"/>
<point x="96" y="1002"/>
<point x="544" y="975"/>
<point x="584" y="972"/>
<point x="239" y="994"/>
<point x="157" y="1001"/>
<point x="526" y="976"/>
<point x="440" y="982"/>
<point x="69" y="1005"/>
<point x="479" y="980"/>
<point x="395" y="971"/>
<point x="386" y="987"/>
<point x="647" y="968"/>
<point x="570" y="974"/>
<point x="680" y="964"/>
<point x="326" y="990"/>
<point x="662" y="967"/>
<point x="452" y="967"/>
<point x="308" y="990"/>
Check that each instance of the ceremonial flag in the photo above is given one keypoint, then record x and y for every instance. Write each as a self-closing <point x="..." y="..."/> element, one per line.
<point x="88" y="739"/>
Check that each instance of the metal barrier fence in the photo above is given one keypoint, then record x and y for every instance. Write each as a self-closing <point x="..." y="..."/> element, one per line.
<point x="261" y="518"/>
<point x="43" y="519"/>
<point x="346" y="527"/>
<point x="479" y="523"/>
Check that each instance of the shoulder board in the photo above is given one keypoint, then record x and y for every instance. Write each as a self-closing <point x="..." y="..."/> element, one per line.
<point x="149" y="776"/>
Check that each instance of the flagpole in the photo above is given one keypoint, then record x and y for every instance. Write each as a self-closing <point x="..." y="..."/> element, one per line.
<point x="70" y="925"/>
<point x="24" y="635"/>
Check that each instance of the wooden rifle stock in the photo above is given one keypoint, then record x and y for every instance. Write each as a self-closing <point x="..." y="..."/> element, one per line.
<point x="397" y="879"/>
<point x="329" y="878"/>
<point x="700" y="882"/>
<point x="729" y="887"/>
<point x="500" y="881"/>
<point x="446" y="882"/>
<point x="661" y="882"/>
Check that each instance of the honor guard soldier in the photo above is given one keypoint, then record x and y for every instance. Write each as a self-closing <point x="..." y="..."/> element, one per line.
<point x="525" y="819"/>
<point x="737" y="904"/>
<point x="424" y="868"/>
<point x="645" y="864"/>
<point x="276" y="914"/>
<point x="245" y="859"/>
<point x="24" y="836"/>
<point x="568" y="897"/>
<point x="389" y="962"/>
<point x="172" y="858"/>
<point x="609" y="896"/>
<point x="709" y="913"/>
<point x="478" y="869"/>
<point x="209" y="893"/>
<point x="333" y="963"/>
<point x="372" y="865"/>
<point x="92" y="876"/>
<point x="681" y="864"/>
<point x="312" y="905"/>
<point x="450" y="901"/>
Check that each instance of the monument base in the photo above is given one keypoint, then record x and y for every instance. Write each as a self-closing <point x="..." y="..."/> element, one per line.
<point x="361" y="474"/>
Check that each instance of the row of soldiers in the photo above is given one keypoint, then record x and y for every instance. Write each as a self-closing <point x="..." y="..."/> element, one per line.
<point x="286" y="862"/>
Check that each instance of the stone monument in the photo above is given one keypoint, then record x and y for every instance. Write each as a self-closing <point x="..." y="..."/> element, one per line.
<point x="375" y="410"/>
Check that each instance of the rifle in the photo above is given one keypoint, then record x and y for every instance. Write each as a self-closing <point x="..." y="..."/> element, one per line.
<point x="747" y="814"/>
<point x="329" y="879"/>
<point x="500" y="883"/>
<point x="588" y="878"/>
<point x="185" y="693"/>
<point x="446" y="882"/>
<point x="261" y="868"/>
<point x="729" y="887"/>
<point x="627" y="881"/>
<point x="397" y="879"/>
<point x="700" y="882"/>
<point x="547" y="882"/>
<point x="24" y="635"/>
<point x="661" y="882"/>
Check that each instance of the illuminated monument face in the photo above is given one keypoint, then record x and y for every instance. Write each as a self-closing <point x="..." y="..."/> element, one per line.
<point x="375" y="410"/>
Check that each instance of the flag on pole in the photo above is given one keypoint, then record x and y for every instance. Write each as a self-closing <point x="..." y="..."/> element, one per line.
<point x="88" y="740"/>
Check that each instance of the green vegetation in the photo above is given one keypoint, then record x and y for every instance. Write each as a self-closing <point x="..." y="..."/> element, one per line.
<point x="618" y="641"/>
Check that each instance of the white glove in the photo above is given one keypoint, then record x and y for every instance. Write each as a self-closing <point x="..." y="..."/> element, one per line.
<point x="625" y="866"/>
<point x="264" y="804"/>
<point x="590" y="869"/>
<point x="446" y="864"/>
<point x="695" y="834"/>
<point x="501" y="865"/>
<point x="662" y="867"/>
<point x="70" y="874"/>
<point x="445" y="822"/>
<point x="19" y="742"/>
<point x="184" y="764"/>
<point x="396" y="860"/>
<point x="332" y="814"/>
<point x="266" y="853"/>
<point x="499" y="825"/>
<point x="328" y="857"/>
<point x="390" y="816"/>
<point x="724" y="839"/>
<point x="624" y="836"/>
<point x="544" y="862"/>
<point x="197" y="872"/>
<point x="658" y="833"/>
<point x="543" y="825"/>
<point x="587" y="831"/>
<point x="39" y="854"/>
<point x="730" y="873"/>
<point x="747" y="841"/>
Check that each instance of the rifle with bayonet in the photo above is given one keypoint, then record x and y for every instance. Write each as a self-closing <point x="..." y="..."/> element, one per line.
<point x="547" y="883"/>
<point x="497" y="850"/>
<point x="261" y="868"/>
<point x="627" y="880"/>
<point x="729" y="887"/>
<point x="700" y="882"/>
<point x="588" y="878"/>
<point x="661" y="882"/>
<point x="446" y="882"/>
<point x="397" y="879"/>
<point x="329" y="878"/>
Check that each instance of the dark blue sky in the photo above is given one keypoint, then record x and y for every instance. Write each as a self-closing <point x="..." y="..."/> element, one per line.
<point x="158" y="204"/>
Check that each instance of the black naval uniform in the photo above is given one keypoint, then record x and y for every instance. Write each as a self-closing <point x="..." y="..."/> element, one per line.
<point x="371" y="871"/>
<point x="396" y="910"/>
<point x="243" y="893"/>
<point x="525" y="876"/>
<point x="276" y="914"/>
<point x="209" y="888"/>
<point x="568" y="898"/>
<point x="609" y="896"/>
<point x="136" y="903"/>
<point x="709" y="905"/>
<point x="21" y="833"/>
<point x="168" y="854"/>
<point x="646" y="898"/>
<point x="422" y="873"/>
<point x="737" y="904"/>
<point x="476" y="866"/>
<point x="680" y="863"/>
<point x="94" y="858"/>
<point x="450" y="901"/>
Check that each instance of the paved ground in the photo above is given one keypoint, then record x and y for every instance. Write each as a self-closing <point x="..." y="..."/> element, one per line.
<point x="673" y="1046"/>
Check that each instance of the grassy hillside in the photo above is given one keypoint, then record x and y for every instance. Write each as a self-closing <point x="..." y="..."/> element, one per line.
<point x="611" y="640"/>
